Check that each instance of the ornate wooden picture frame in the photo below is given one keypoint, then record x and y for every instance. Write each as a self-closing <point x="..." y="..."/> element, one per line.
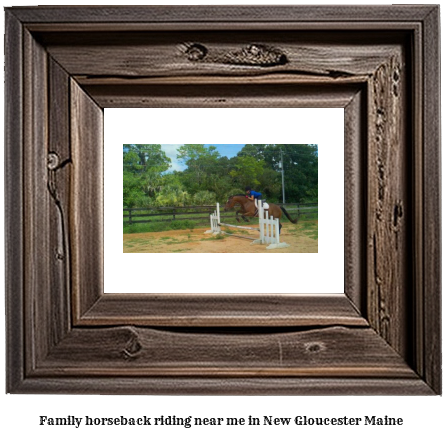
<point x="65" y="64"/>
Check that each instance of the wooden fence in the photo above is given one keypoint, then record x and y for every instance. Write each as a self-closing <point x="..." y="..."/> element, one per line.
<point x="200" y="214"/>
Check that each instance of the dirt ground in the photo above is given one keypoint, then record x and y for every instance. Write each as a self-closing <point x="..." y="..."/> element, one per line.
<point x="298" y="237"/>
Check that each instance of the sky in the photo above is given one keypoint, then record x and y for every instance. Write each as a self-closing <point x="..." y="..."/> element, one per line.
<point x="225" y="150"/>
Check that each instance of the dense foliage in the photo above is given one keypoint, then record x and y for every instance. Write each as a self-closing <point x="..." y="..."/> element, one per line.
<point x="210" y="178"/>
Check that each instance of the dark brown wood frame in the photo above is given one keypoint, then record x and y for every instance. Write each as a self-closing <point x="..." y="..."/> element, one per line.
<point x="64" y="65"/>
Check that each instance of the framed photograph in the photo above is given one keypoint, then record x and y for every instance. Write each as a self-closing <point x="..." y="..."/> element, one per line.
<point x="173" y="217"/>
<point x="166" y="211"/>
<point x="378" y="331"/>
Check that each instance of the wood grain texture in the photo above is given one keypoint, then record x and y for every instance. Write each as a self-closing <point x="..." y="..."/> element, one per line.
<point x="232" y="26"/>
<point x="355" y="192"/>
<point x="205" y="310"/>
<point x="281" y="57"/>
<point x="225" y="96"/>
<point x="129" y="351"/>
<point x="14" y="204"/>
<point x="227" y="14"/>
<point x="37" y="306"/>
<point x="169" y="54"/>
<point x="431" y="317"/>
<point x="86" y="197"/>
<point x="289" y="386"/>
<point x="59" y="179"/>
<point x="417" y="357"/>
<point x="388" y="204"/>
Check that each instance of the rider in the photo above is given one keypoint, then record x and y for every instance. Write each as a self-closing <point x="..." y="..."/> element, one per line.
<point x="252" y="195"/>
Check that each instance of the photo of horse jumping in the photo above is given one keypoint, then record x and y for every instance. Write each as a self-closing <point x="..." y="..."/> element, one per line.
<point x="248" y="209"/>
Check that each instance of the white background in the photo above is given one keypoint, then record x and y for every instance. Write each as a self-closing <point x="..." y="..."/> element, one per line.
<point x="19" y="413"/>
<point x="320" y="272"/>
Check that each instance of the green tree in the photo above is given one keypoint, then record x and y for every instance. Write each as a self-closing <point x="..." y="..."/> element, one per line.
<point x="139" y="158"/>
<point x="210" y="178"/>
<point x="133" y="195"/>
<point x="202" y="163"/>
<point x="172" y="196"/>
<point x="172" y="191"/>
<point x="270" y="184"/>
<point x="143" y="165"/>
<point x="301" y="171"/>
<point x="300" y="163"/>
<point x="248" y="171"/>
<point x="204" y="197"/>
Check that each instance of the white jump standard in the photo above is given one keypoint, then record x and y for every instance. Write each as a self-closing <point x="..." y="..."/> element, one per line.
<point x="268" y="228"/>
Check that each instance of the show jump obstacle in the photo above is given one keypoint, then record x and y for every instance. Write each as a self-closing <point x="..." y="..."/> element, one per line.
<point x="268" y="228"/>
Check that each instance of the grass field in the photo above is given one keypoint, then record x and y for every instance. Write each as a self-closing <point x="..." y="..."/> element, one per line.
<point x="182" y="223"/>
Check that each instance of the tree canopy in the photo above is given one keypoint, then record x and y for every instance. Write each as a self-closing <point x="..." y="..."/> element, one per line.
<point x="210" y="177"/>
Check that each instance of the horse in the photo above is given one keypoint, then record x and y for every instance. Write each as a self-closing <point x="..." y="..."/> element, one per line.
<point x="248" y="209"/>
